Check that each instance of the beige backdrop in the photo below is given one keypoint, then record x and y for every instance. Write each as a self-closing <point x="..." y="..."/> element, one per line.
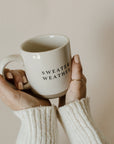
<point x="90" y="26"/>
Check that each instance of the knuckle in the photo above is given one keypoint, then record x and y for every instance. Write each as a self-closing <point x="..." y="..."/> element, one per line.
<point x="18" y="78"/>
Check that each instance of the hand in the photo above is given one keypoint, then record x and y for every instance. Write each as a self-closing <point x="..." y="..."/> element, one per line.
<point x="14" y="98"/>
<point x="77" y="87"/>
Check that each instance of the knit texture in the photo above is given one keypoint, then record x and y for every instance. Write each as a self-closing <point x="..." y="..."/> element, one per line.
<point x="78" y="123"/>
<point x="38" y="125"/>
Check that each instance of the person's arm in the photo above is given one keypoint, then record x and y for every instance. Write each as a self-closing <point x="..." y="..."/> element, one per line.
<point x="75" y="116"/>
<point x="38" y="125"/>
<point x="37" y="115"/>
<point x="76" y="120"/>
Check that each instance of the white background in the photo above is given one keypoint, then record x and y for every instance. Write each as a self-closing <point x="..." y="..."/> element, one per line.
<point x="90" y="27"/>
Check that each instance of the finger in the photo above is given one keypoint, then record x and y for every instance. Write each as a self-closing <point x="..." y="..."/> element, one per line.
<point x="8" y="74"/>
<point x="76" y="68"/>
<point x="23" y="75"/>
<point x="26" y="85"/>
<point x="61" y="101"/>
<point x="18" y="80"/>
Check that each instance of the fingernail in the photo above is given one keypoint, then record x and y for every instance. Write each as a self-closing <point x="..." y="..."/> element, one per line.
<point x="9" y="75"/>
<point x="76" y="59"/>
<point x="24" y="79"/>
<point x="20" y="85"/>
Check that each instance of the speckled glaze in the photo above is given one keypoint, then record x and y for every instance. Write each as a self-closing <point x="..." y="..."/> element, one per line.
<point x="47" y="62"/>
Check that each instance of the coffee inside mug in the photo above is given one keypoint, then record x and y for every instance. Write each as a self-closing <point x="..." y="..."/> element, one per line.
<point x="44" y="43"/>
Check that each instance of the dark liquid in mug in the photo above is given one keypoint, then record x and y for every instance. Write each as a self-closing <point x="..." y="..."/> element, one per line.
<point x="45" y="44"/>
<point x="34" y="47"/>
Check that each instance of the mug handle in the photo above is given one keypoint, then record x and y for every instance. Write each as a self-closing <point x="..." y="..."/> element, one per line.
<point x="5" y="61"/>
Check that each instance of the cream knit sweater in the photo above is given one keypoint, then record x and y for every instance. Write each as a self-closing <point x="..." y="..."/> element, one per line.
<point x="39" y="125"/>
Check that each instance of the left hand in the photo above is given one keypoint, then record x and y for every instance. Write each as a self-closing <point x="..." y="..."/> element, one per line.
<point x="77" y="87"/>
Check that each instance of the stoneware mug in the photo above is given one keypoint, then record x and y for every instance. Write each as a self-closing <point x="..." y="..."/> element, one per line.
<point x="47" y="63"/>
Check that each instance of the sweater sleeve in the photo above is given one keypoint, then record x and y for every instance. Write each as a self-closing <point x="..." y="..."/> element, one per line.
<point x="78" y="123"/>
<point x="38" y="125"/>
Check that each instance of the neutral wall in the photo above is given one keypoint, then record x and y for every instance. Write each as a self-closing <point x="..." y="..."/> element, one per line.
<point x="90" y="26"/>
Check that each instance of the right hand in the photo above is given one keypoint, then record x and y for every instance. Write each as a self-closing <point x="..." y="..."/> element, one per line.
<point x="17" y="99"/>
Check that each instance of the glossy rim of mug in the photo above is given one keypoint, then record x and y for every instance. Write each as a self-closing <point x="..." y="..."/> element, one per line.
<point x="44" y="35"/>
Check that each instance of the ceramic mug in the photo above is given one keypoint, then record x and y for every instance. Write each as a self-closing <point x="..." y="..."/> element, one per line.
<point x="47" y="62"/>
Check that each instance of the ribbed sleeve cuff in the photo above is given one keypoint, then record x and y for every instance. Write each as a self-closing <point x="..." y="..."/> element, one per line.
<point x="78" y="124"/>
<point x="38" y="125"/>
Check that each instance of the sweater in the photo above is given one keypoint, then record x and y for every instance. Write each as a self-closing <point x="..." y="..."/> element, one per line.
<point x="39" y="124"/>
<point x="78" y="124"/>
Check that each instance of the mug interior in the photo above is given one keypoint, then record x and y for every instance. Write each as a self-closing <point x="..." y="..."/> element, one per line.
<point x="44" y="43"/>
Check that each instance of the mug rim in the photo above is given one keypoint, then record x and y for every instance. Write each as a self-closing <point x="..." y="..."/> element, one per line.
<point x="44" y="35"/>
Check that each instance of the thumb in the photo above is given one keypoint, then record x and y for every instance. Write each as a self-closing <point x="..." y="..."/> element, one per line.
<point x="76" y="68"/>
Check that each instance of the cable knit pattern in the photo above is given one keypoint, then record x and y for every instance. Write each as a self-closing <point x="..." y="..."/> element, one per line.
<point x="38" y="125"/>
<point x="78" y="123"/>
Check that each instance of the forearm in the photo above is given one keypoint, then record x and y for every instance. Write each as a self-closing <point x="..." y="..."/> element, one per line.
<point x="38" y="125"/>
<point x="78" y="124"/>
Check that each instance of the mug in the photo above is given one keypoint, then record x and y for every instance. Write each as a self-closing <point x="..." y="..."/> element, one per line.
<point x="47" y="63"/>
